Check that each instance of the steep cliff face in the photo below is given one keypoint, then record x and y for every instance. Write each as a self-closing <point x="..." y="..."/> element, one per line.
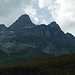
<point x="23" y="39"/>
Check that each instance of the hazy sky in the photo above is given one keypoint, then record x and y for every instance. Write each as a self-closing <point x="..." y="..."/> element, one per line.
<point x="40" y="11"/>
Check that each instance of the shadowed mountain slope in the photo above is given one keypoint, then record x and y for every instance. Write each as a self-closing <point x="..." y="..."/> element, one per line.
<point x="23" y="39"/>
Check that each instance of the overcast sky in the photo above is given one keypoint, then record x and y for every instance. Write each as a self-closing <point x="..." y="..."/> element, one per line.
<point x="40" y="11"/>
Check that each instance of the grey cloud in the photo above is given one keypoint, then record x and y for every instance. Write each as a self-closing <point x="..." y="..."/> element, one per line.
<point x="8" y="6"/>
<point x="10" y="10"/>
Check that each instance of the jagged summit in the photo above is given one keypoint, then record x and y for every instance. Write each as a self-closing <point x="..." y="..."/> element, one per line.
<point x="2" y="26"/>
<point x="25" y="18"/>
<point x="53" y="24"/>
<point x="23" y="21"/>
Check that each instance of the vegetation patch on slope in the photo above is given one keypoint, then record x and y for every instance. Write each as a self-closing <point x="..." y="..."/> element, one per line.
<point x="59" y="65"/>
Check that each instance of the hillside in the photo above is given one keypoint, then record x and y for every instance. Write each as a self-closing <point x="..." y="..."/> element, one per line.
<point x="59" y="65"/>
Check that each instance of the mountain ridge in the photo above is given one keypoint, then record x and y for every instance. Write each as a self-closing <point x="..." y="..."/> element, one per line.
<point x="25" y="39"/>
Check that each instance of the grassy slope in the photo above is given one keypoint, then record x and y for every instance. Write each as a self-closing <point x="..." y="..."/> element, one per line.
<point x="59" y="65"/>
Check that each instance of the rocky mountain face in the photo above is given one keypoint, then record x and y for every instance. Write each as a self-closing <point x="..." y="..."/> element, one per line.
<point x="26" y="41"/>
<point x="23" y="22"/>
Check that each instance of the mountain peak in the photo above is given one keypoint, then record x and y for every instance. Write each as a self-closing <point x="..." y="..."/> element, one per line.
<point x="54" y="25"/>
<point x="23" y="21"/>
<point x="25" y="17"/>
<point x="54" y="22"/>
<point x="2" y="26"/>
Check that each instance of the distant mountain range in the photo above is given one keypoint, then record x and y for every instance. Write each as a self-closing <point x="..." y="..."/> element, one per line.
<point x="24" y="41"/>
